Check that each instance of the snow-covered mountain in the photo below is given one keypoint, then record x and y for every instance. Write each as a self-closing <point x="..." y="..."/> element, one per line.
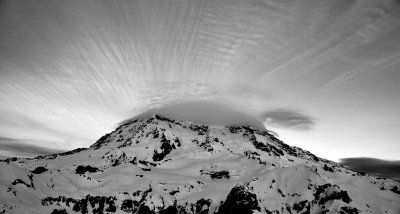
<point x="158" y="165"/>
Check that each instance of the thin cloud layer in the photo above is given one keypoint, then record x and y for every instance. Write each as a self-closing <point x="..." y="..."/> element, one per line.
<point x="373" y="166"/>
<point x="19" y="148"/>
<point x="289" y="118"/>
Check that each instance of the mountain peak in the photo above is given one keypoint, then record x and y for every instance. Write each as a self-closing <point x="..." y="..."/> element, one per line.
<point x="153" y="130"/>
<point x="153" y="164"/>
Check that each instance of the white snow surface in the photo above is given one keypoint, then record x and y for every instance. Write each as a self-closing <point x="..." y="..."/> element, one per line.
<point x="157" y="163"/>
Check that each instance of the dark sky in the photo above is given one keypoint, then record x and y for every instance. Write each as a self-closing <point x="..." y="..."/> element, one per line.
<point x="323" y="74"/>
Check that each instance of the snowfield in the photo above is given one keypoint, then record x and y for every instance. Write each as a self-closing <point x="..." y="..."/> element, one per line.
<point x="158" y="165"/>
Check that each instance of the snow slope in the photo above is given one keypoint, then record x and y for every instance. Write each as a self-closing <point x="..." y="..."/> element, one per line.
<point x="157" y="165"/>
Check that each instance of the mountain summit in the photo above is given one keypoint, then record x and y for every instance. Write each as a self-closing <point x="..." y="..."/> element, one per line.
<point x="157" y="165"/>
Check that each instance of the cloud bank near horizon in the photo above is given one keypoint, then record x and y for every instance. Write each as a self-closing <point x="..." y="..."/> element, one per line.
<point x="373" y="166"/>
<point x="10" y="147"/>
